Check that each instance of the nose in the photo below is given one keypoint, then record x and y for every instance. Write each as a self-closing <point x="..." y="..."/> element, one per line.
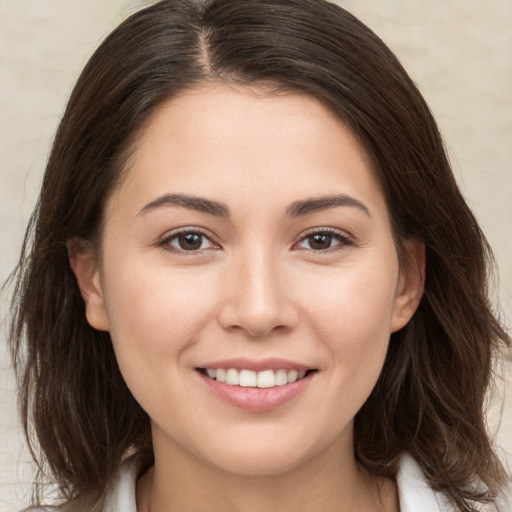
<point x="257" y="301"/>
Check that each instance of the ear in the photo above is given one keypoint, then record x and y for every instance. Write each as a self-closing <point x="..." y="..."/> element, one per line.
<point x="83" y="262"/>
<point x="410" y="284"/>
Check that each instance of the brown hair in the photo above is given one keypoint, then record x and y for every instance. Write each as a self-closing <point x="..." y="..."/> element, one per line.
<point x="429" y="398"/>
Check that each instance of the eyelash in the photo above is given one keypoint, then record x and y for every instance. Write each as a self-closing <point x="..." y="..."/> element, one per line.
<point x="342" y="238"/>
<point x="166" y="241"/>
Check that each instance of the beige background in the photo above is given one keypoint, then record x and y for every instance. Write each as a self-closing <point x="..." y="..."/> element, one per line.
<point x="459" y="52"/>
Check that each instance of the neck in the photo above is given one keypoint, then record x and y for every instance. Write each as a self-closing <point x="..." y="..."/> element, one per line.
<point x="331" y="481"/>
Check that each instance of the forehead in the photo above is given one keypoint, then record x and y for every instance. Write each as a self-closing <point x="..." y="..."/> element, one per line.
<point x="244" y="140"/>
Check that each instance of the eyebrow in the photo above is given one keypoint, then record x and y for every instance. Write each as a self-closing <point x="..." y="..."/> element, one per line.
<point x="296" y="209"/>
<point x="316" y="204"/>
<point x="186" y="201"/>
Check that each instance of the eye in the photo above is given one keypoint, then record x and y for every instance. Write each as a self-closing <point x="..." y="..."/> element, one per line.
<point x="324" y="239"/>
<point x="187" y="241"/>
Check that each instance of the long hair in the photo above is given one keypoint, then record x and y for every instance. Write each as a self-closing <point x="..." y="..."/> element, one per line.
<point x="80" y="419"/>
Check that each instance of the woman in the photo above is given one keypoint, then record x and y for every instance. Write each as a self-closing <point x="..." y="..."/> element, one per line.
<point x="251" y="281"/>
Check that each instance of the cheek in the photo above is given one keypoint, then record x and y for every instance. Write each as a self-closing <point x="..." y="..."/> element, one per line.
<point x="154" y="312"/>
<point x="356" y="301"/>
<point x="156" y="318"/>
<point x="353" y="324"/>
<point x="350" y="311"/>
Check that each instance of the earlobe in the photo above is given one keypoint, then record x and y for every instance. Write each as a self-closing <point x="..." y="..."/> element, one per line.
<point x="411" y="284"/>
<point x="83" y="262"/>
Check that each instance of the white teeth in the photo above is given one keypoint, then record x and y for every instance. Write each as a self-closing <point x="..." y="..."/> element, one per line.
<point x="249" y="378"/>
<point x="281" y="377"/>
<point x="266" y="379"/>
<point x="292" y="375"/>
<point x="232" y="377"/>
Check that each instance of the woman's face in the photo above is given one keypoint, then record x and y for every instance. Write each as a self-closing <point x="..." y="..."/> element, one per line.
<point x="248" y="240"/>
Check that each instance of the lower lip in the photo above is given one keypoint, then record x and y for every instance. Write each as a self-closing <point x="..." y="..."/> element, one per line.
<point x="257" y="399"/>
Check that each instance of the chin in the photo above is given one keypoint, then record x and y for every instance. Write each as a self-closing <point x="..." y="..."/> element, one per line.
<point x="260" y="456"/>
<point x="262" y="464"/>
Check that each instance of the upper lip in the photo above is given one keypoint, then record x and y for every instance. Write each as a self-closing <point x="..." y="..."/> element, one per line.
<point x="257" y="365"/>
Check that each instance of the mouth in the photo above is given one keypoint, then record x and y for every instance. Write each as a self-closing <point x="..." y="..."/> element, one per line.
<point x="264" y="379"/>
<point x="256" y="391"/>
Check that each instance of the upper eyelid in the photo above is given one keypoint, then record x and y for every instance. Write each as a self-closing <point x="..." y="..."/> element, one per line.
<point x="332" y="231"/>
<point x="187" y="229"/>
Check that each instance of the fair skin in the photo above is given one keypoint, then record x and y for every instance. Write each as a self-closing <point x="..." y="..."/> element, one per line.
<point x="260" y="272"/>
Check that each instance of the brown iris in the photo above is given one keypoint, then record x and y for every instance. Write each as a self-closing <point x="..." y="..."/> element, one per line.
<point x="190" y="241"/>
<point x="320" y="241"/>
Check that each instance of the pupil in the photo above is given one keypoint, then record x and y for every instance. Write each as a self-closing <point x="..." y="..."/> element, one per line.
<point x="320" y="241"/>
<point x="190" y="241"/>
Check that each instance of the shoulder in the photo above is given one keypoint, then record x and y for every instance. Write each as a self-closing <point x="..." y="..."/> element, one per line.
<point x="416" y="495"/>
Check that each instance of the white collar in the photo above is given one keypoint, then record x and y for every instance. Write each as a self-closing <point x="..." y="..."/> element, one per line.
<point x="414" y="492"/>
<point x="122" y="495"/>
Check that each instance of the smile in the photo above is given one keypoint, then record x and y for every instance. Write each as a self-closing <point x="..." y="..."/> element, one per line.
<point x="256" y="385"/>
<point x="249" y="378"/>
<point x="257" y="389"/>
